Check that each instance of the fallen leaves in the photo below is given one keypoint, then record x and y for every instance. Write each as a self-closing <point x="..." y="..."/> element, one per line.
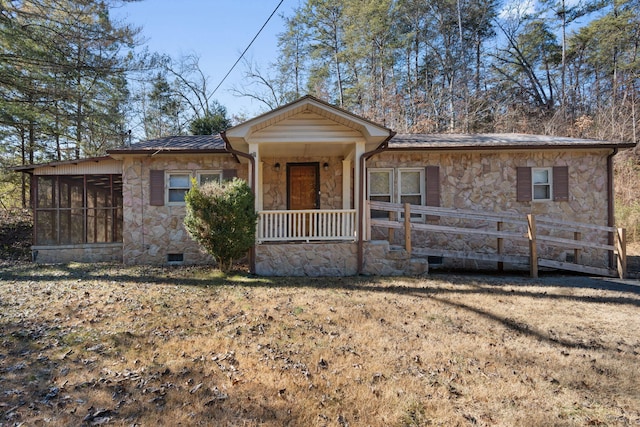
<point x="98" y="345"/>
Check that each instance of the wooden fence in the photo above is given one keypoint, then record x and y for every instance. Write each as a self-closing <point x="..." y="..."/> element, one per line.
<point x="504" y="227"/>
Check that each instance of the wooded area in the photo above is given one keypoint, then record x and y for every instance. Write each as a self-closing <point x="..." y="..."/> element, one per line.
<point x="74" y="82"/>
<point x="550" y="67"/>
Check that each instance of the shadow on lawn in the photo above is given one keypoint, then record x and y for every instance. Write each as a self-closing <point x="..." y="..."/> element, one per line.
<point x="28" y="339"/>
<point x="436" y="286"/>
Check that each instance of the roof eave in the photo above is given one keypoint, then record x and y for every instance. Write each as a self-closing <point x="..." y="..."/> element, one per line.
<point x="514" y="147"/>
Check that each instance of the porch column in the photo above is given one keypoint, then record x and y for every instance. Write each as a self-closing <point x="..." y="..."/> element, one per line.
<point x="360" y="147"/>
<point x="346" y="183"/>
<point x="254" y="150"/>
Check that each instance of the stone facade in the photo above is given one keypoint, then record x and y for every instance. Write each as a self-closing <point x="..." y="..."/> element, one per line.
<point x="152" y="233"/>
<point x="486" y="181"/>
<point x="382" y="259"/>
<point x="335" y="259"/>
<point x="95" y="252"/>
<point x="307" y="259"/>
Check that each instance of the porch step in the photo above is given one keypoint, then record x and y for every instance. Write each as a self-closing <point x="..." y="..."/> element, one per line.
<point x="390" y="260"/>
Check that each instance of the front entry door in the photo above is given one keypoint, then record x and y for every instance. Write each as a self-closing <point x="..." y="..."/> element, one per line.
<point x="303" y="182"/>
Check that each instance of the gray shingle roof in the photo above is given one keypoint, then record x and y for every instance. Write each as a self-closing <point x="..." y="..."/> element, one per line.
<point x="495" y="140"/>
<point x="215" y="143"/>
<point x="176" y="143"/>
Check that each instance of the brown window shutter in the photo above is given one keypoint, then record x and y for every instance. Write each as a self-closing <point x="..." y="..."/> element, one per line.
<point x="229" y="174"/>
<point x="156" y="189"/>
<point x="560" y="183"/>
<point x="523" y="186"/>
<point x="433" y="185"/>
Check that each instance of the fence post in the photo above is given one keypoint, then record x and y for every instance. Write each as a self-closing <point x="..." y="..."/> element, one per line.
<point x="407" y="227"/>
<point x="577" y="252"/>
<point x="500" y="248"/>
<point x="392" y="217"/>
<point x="621" y="246"/>
<point x="533" y="251"/>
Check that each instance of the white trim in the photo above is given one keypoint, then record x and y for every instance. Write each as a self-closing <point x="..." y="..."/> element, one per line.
<point x="422" y="194"/>
<point x="549" y="183"/>
<point x="168" y="188"/>
<point x="391" y="173"/>
<point x="199" y="174"/>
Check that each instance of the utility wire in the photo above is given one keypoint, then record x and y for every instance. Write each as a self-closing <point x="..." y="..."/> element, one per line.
<point x="247" y="48"/>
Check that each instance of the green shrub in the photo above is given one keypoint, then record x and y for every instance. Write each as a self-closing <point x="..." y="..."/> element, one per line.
<point x="222" y="219"/>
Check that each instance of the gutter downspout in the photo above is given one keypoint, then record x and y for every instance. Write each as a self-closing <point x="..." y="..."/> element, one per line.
<point x="252" y="162"/>
<point x="610" y="203"/>
<point x="363" y="159"/>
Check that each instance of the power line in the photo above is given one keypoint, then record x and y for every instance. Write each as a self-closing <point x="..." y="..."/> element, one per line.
<point x="248" y="46"/>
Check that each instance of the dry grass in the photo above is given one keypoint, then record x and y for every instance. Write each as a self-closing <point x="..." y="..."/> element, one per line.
<point x="143" y="346"/>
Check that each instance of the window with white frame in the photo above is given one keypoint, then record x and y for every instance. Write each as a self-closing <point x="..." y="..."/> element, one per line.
<point x="411" y="187"/>
<point x="542" y="183"/>
<point x="380" y="188"/>
<point x="179" y="182"/>
<point x="208" y="176"/>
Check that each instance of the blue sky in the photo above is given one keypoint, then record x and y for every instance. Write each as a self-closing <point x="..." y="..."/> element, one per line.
<point x="217" y="31"/>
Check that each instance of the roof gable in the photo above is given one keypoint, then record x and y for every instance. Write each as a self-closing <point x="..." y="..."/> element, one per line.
<point x="306" y="120"/>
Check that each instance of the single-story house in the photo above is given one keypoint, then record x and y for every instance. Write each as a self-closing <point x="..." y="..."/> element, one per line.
<point x="315" y="169"/>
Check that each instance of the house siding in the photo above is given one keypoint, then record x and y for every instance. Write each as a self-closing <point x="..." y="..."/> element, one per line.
<point x="151" y="232"/>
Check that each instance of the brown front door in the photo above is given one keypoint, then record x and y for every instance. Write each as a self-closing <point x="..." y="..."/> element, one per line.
<point x="303" y="183"/>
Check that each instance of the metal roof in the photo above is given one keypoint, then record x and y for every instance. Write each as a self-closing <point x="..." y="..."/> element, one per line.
<point x="182" y="143"/>
<point x="495" y="141"/>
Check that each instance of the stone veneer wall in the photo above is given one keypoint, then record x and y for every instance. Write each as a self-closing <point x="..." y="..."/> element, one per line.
<point x="307" y="259"/>
<point x="150" y="233"/>
<point x="335" y="259"/>
<point x="94" y="252"/>
<point x="486" y="181"/>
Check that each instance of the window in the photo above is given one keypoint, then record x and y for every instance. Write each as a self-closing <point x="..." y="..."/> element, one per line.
<point x="380" y="188"/>
<point x="542" y="184"/>
<point x="411" y="188"/>
<point x="400" y="185"/>
<point x="178" y="183"/>
<point x="541" y="180"/>
<point x="209" y="176"/>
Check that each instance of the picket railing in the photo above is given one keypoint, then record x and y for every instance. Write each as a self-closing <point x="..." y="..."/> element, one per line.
<point x="530" y="229"/>
<point x="306" y="225"/>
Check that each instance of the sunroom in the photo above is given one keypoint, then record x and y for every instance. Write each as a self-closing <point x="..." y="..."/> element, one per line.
<point x="78" y="211"/>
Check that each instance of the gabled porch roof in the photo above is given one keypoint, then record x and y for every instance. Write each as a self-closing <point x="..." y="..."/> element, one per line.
<point x="306" y="127"/>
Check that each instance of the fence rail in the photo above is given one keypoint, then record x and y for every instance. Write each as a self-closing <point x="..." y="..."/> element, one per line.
<point x="306" y="225"/>
<point x="503" y="226"/>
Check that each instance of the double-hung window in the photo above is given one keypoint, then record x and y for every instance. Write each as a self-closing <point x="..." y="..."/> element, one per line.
<point x="205" y="177"/>
<point x="542" y="183"/>
<point x="399" y="185"/>
<point x="411" y="187"/>
<point x="178" y="183"/>
<point x="380" y="188"/>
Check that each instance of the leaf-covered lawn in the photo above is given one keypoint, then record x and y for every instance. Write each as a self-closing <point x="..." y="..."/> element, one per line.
<point x="106" y="344"/>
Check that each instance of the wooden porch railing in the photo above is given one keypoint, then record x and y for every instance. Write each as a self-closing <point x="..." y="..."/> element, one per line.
<point x="306" y="225"/>
<point x="507" y="226"/>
